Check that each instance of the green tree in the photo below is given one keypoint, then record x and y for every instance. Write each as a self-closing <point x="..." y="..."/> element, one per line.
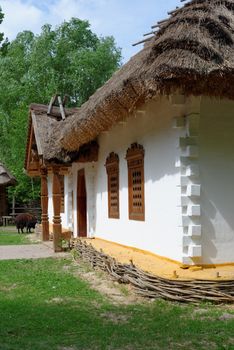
<point x="69" y="59"/>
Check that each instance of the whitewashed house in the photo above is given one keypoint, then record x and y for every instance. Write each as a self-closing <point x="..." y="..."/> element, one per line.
<point x="148" y="160"/>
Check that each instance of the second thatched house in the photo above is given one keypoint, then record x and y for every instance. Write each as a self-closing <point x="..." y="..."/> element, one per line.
<point x="148" y="160"/>
<point x="6" y="179"/>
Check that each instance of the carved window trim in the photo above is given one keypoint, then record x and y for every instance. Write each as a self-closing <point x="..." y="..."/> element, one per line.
<point x="136" y="182"/>
<point x="112" y="170"/>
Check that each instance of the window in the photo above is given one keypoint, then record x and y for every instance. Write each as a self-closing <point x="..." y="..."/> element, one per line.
<point x="61" y="178"/>
<point x="136" y="196"/>
<point x="112" y="169"/>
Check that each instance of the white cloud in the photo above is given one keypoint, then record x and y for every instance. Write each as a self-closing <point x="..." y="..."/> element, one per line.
<point x="20" y="16"/>
<point x="65" y="9"/>
<point x="126" y="20"/>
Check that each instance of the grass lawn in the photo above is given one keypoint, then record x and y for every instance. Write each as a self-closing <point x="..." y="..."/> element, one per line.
<point x="43" y="305"/>
<point x="9" y="236"/>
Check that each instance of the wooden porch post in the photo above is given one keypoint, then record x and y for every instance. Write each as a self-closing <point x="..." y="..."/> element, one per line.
<point x="44" y="205"/>
<point x="57" y="227"/>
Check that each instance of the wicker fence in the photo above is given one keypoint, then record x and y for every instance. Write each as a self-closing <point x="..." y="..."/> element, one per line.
<point x="150" y="286"/>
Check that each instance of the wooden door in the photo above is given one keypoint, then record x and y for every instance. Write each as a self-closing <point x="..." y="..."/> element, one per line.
<point x="81" y="204"/>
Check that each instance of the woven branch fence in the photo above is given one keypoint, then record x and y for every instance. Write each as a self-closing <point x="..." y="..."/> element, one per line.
<point x="151" y="286"/>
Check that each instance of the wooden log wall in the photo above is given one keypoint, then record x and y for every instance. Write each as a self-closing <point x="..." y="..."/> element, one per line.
<point x="151" y="286"/>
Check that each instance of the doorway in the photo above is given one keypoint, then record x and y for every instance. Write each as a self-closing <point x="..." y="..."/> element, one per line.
<point x="81" y="204"/>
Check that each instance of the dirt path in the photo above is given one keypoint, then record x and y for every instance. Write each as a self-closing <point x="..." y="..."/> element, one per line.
<point x="29" y="251"/>
<point x="119" y="294"/>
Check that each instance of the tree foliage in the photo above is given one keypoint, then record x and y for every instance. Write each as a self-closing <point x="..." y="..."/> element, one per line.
<point x="69" y="59"/>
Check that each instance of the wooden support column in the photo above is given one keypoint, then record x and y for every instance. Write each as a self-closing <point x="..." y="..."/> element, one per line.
<point x="44" y="205"/>
<point x="57" y="227"/>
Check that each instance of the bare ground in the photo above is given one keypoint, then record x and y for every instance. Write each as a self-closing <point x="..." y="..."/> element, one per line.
<point x="99" y="280"/>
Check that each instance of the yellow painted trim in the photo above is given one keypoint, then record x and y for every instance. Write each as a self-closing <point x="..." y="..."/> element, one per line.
<point x="205" y="266"/>
<point x="141" y="251"/>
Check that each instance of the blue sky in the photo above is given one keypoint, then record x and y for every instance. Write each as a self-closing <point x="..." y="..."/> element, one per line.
<point x="126" y="20"/>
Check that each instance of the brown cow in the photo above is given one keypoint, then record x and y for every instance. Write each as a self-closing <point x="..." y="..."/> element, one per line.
<point x="27" y="221"/>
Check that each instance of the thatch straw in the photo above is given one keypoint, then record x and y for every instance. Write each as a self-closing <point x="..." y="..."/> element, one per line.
<point x="44" y="126"/>
<point x="6" y="178"/>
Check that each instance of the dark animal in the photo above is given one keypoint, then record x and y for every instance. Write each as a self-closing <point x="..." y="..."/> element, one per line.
<point x="27" y="221"/>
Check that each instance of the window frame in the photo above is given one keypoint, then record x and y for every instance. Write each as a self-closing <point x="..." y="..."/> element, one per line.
<point x="112" y="170"/>
<point x="135" y="161"/>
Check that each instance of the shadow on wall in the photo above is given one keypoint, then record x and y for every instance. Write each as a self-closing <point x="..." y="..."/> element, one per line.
<point x="209" y="249"/>
<point x="217" y="179"/>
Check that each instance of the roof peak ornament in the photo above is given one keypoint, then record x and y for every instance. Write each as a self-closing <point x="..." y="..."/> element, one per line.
<point x="56" y="100"/>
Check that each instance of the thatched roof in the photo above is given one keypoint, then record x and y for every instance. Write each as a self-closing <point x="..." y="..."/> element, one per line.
<point x="6" y="179"/>
<point x="43" y="127"/>
<point x="192" y="52"/>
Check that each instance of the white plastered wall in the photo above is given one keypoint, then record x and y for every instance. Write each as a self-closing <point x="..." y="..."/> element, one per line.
<point x="216" y="158"/>
<point x="159" y="233"/>
<point x="154" y="128"/>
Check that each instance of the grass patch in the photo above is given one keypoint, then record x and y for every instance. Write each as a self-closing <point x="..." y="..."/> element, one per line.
<point x="44" y="306"/>
<point x="12" y="237"/>
<point x="9" y="238"/>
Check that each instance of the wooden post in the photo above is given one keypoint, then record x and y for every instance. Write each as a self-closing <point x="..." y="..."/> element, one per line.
<point x="57" y="227"/>
<point x="13" y="206"/>
<point x="44" y="205"/>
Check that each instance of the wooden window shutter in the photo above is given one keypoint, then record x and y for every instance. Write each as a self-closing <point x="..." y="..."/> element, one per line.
<point x="136" y="182"/>
<point x="112" y="169"/>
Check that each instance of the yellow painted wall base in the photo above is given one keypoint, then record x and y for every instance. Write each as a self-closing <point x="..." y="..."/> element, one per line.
<point x="200" y="266"/>
<point x="161" y="266"/>
<point x="141" y="251"/>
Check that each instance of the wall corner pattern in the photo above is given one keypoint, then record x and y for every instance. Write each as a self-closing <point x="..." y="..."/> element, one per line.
<point x="189" y="187"/>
